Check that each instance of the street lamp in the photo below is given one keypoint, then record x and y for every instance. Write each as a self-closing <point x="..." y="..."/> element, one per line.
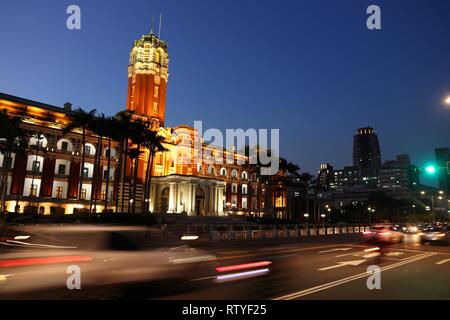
<point x="306" y="215"/>
<point x="447" y="100"/>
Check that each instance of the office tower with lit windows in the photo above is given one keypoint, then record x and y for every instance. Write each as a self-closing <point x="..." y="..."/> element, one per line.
<point x="367" y="155"/>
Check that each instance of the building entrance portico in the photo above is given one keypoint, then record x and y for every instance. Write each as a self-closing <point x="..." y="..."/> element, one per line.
<point x="191" y="195"/>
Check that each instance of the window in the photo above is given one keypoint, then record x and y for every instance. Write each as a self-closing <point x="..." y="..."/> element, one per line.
<point x="223" y="172"/>
<point x="59" y="192"/>
<point x="234" y="188"/>
<point x="212" y="170"/>
<point x="234" y="174"/>
<point x="105" y="174"/>
<point x="85" y="172"/>
<point x="103" y="195"/>
<point x="64" y="146"/>
<point x="36" y="166"/>
<point x="33" y="190"/>
<point x="244" y="175"/>
<point x="83" y="194"/>
<point x="156" y="93"/>
<point x="155" y="107"/>
<point x="62" y="169"/>
<point x="244" y="189"/>
<point x="87" y="149"/>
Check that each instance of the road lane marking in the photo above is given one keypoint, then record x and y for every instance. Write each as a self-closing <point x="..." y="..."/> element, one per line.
<point x="330" y="285"/>
<point x="343" y="264"/>
<point x="282" y="251"/>
<point x="337" y="249"/>
<point x="394" y="254"/>
<point x="443" y="261"/>
<point x="404" y="249"/>
<point x="204" y="278"/>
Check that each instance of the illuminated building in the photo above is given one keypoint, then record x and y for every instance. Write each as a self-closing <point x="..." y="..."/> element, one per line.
<point x="47" y="181"/>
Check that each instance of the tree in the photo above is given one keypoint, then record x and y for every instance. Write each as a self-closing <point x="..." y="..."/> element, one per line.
<point x="13" y="139"/>
<point x="36" y="149"/>
<point x="123" y="122"/>
<point x="101" y="126"/>
<point x="154" y="143"/>
<point x="83" y="120"/>
<point x="109" y="127"/>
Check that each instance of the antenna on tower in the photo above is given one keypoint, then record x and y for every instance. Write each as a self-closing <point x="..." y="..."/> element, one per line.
<point x="151" y="26"/>
<point x="160" y="23"/>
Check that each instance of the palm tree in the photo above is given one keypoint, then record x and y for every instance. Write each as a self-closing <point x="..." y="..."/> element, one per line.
<point x="99" y="126"/>
<point x="134" y="154"/>
<point x="154" y="143"/>
<point x="137" y="134"/>
<point x="124" y="120"/>
<point x="37" y="148"/>
<point x="13" y="139"/>
<point x="81" y="119"/>
<point x="306" y="179"/>
<point x="110" y="125"/>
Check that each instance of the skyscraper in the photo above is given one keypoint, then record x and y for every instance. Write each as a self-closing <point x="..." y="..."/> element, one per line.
<point x="366" y="149"/>
<point x="367" y="156"/>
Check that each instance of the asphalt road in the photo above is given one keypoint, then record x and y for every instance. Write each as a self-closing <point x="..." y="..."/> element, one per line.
<point x="321" y="268"/>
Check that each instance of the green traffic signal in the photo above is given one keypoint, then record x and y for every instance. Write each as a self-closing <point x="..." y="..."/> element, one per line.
<point x="430" y="169"/>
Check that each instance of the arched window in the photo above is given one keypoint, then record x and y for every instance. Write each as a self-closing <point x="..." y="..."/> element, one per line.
<point x="89" y="149"/>
<point x="244" y="175"/>
<point x="234" y="174"/>
<point x="223" y="172"/>
<point x="38" y="140"/>
<point x="64" y="145"/>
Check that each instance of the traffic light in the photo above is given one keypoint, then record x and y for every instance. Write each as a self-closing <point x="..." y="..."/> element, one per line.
<point x="430" y="169"/>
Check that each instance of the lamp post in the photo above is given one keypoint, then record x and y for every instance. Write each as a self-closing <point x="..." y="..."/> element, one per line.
<point x="306" y="215"/>
<point x="432" y="197"/>
<point x="323" y="219"/>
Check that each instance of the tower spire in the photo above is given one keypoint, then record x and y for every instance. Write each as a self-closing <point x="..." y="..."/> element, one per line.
<point x="160" y="23"/>
<point x="151" y="25"/>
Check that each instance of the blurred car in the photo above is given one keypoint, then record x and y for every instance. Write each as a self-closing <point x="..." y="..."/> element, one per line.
<point x="412" y="229"/>
<point x="104" y="256"/>
<point x="435" y="234"/>
<point x="383" y="233"/>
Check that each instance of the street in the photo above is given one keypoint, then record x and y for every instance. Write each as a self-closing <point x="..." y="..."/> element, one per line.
<point x="320" y="268"/>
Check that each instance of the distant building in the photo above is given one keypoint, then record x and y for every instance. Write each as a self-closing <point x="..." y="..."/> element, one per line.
<point x="443" y="164"/>
<point x="325" y="176"/>
<point x="398" y="175"/>
<point x="367" y="155"/>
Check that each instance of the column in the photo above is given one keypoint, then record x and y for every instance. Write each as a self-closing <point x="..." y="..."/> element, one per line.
<point x="193" y="204"/>
<point x="172" y="197"/>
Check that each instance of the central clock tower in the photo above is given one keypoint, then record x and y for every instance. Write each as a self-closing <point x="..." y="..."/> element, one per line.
<point x="147" y="79"/>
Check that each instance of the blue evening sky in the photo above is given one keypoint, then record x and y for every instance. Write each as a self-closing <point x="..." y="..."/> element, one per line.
<point x="310" y="68"/>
